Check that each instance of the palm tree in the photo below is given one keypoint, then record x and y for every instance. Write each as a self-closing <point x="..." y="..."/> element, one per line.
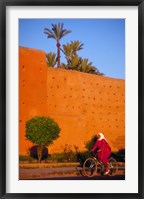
<point x="57" y="33"/>
<point x="68" y="51"/>
<point x="75" y="62"/>
<point x="85" y="66"/>
<point x="76" y="46"/>
<point x="51" y="59"/>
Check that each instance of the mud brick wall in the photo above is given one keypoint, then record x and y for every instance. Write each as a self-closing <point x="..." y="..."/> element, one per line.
<point x="82" y="104"/>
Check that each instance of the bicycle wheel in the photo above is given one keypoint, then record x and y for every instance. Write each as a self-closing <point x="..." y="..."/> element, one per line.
<point x="113" y="166"/>
<point x="89" y="167"/>
<point x="82" y="172"/>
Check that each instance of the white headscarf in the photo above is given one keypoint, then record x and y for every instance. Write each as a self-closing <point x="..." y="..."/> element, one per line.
<point x="101" y="136"/>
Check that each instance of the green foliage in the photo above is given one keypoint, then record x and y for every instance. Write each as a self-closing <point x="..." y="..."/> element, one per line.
<point x="63" y="157"/>
<point x="89" y="144"/>
<point x="57" y="33"/>
<point x="56" y="157"/>
<point x="76" y="46"/>
<point x="64" y="66"/>
<point x="74" y="62"/>
<point x="82" y="156"/>
<point x="85" y="66"/>
<point x="51" y="59"/>
<point x="69" y="153"/>
<point x="70" y="49"/>
<point x="24" y="158"/>
<point x="67" y="50"/>
<point x="42" y="130"/>
<point x="119" y="155"/>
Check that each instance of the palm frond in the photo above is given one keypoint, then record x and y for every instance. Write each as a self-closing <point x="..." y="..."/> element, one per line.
<point x="77" y="45"/>
<point x="67" y="49"/>
<point x="49" y="33"/>
<point x="57" y="31"/>
<point x="63" y="33"/>
<point x="51" y="59"/>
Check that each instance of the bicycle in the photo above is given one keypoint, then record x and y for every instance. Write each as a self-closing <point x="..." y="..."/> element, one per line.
<point x="93" y="166"/>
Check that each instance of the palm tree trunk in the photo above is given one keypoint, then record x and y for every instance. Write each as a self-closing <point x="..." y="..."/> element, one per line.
<point x="58" y="55"/>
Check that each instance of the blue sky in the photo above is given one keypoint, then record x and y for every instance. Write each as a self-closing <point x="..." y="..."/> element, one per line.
<point x="104" y="41"/>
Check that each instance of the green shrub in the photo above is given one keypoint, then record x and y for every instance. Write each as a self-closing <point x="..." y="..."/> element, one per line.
<point x="25" y="158"/>
<point x="89" y="144"/>
<point x="82" y="156"/>
<point x="63" y="157"/>
<point x="119" y="155"/>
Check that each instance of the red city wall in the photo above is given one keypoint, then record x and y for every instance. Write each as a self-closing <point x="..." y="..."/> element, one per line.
<point x="82" y="104"/>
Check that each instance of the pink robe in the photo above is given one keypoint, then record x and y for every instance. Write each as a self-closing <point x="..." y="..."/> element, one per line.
<point x="103" y="150"/>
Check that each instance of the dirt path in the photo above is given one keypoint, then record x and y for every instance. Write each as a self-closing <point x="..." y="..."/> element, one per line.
<point x="52" y="172"/>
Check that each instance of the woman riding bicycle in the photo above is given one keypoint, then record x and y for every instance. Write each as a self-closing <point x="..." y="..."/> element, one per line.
<point x="103" y="150"/>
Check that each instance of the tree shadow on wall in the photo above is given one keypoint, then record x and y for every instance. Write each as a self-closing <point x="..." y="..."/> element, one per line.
<point x="34" y="153"/>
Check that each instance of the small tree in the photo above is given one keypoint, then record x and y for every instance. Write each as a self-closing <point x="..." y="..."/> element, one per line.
<point x="57" y="33"/>
<point x="41" y="131"/>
